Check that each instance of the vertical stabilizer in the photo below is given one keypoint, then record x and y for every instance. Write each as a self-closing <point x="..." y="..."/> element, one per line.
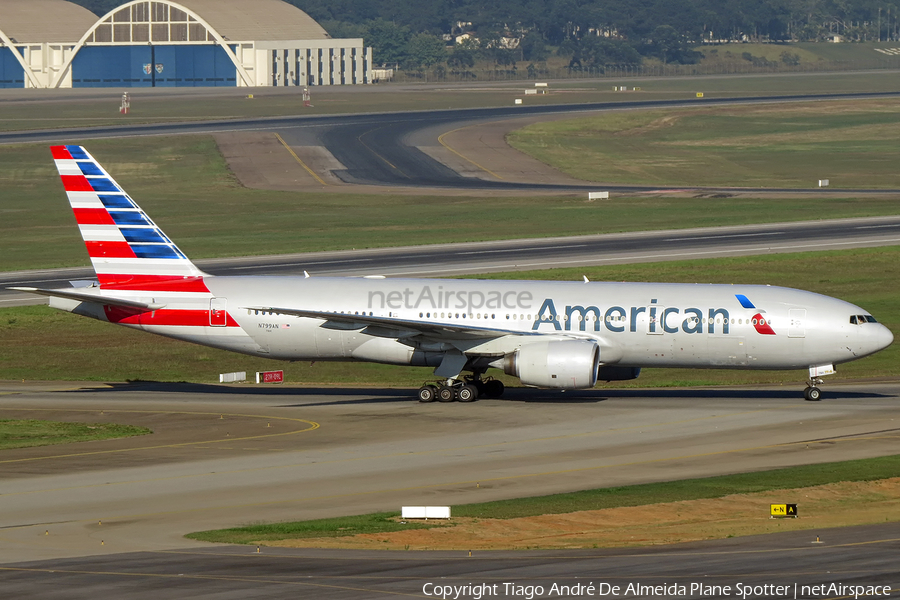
<point x="126" y="247"/>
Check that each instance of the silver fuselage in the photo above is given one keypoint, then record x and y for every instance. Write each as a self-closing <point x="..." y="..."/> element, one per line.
<point x="635" y="324"/>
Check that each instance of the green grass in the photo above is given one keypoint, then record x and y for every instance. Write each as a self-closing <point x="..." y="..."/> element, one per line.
<point x="384" y="522"/>
<point x="843" y="51"/>
<point x="633" y="495"/>
<point x="38" y="342"/>
<point x="810" y="54"/>
<point x="186" y="187"/>
<point x="31" y="432"/>
<point x="850" y="143"/>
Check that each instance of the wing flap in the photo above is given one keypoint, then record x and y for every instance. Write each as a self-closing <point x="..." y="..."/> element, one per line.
<point x="392" y="326"/>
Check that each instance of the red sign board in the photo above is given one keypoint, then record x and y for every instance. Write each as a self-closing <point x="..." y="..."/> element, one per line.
<point x="270" y="377"/>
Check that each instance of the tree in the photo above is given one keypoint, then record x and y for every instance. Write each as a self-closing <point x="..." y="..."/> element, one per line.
<point x="595" y="51"/>
<point x="503" y="57"/>
<point x="461" y="58"/>
<point x="388" y="40"/>
<point x="425" y="50"/>
<point x="670" y="46"/>
<point x="533" y="47"/>
<point x="343" y="30"/>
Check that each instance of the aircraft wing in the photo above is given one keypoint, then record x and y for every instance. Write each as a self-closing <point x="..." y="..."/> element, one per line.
<point x="88" y="297"/>
<point x="392" y="327"/>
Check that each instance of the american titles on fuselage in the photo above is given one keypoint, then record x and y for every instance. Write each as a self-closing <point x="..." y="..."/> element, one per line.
<point x="617" y="319"/>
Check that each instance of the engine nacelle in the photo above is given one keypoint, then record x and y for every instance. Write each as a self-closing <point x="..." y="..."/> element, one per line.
<point x="562" y="364"/>
<point x="613" y="373"/>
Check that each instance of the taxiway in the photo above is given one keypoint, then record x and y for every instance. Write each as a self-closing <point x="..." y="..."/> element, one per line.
<point x="222" y="456"/>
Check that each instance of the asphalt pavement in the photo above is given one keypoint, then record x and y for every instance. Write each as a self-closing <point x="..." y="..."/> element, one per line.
<point x="373" y="147"/>
<point x="787" y="566"/>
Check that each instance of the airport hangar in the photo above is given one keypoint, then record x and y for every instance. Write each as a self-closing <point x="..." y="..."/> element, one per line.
<point x="191" y="43"/>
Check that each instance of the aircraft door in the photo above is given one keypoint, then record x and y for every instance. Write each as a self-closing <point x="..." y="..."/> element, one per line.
<point x="797" y="317"/>
<point x="218" y="317"/>
<point x="654" y="317"/>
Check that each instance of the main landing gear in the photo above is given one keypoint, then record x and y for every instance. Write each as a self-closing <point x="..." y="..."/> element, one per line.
<point x="468" y="389"/>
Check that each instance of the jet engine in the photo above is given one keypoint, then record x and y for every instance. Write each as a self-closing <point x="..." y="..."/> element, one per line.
<point x="563" y="364"/>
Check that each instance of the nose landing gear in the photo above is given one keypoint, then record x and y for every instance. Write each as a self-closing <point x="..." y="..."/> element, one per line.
<point x="812" y="392"/>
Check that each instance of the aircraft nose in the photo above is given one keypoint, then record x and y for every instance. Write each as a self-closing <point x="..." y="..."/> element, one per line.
<point x="879" y="338"/>
<point x="885" y="337"/>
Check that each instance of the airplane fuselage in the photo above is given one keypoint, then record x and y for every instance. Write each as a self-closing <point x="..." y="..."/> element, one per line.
<point x="635" y="324"/>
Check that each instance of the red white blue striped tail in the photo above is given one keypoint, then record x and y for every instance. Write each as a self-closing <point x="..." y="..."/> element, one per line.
<point x="127" y="249"/>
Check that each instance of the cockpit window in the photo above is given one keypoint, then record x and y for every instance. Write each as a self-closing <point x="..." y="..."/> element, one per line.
<point x="862" y="319"/>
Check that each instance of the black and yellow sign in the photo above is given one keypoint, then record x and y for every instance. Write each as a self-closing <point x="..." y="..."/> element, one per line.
<point x="783" y="510"/>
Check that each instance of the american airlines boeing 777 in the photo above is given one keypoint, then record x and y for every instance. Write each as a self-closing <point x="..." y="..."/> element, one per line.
<point x="564" y="335"/>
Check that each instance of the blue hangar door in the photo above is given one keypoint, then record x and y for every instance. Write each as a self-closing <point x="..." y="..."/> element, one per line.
<point x="112" y="66"/>
<point x="153" y="66"/>
<point x="194" y="66"/>
<point x="11" y="73"/>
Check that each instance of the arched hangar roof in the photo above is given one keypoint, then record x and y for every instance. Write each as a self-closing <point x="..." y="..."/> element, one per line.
<point x="36" y="21"/>
<point x="257" y="20"/>
<point x="196" y="21"/>
<point x="204" y="20"/>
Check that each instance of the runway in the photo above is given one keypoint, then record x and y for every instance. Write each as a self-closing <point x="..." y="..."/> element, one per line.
<point x="856" y="556"/>
<point x="450" y="260"/>
<point x="222" y="456"/>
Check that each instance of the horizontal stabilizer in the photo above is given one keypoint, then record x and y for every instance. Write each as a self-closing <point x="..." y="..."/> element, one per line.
<point x="88" y="297"/>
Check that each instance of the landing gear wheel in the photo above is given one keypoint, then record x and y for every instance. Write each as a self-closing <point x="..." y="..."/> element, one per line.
<point x="813" y="394"/>
<point x="467" y="393"/>
<point x="493" y="388"/>
<point x="446" y="394"/>
<point x="427" y="393"/>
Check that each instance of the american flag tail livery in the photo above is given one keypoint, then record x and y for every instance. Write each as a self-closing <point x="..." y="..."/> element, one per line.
<point x="143" y="279"/>
<point x="126" y="247"/>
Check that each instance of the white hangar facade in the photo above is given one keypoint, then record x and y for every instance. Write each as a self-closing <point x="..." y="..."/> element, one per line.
<point x="190" y="43"/>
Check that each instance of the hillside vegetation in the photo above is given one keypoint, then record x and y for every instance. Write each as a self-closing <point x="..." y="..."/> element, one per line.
<point x="463" y="38"/>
